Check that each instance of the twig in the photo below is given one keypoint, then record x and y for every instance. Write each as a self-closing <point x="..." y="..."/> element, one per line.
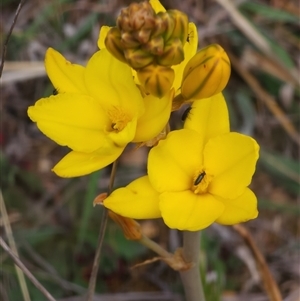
<point x="93" y="278"/>
<point x="13" y="246"/>
<point x="265" y="97"/>
<point x="20" y="264"/>
<point x="267" y="278"/>
<point x="9" y="34"/>
<point x="191" y="278"/>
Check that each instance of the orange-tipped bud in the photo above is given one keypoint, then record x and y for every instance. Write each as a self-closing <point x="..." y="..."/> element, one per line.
<point x="206" y="74"/>
<point x="156" y="80"/>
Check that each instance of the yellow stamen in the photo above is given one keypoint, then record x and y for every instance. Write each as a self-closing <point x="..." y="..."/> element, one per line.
<point x="119" y="119"/>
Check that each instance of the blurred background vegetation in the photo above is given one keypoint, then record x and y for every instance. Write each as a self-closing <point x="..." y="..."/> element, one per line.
<point x="53" y="221"/>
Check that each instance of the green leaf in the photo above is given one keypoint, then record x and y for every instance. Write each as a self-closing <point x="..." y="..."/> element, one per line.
<point x="284" y="170"/>
<point x="125" y="248"/>
<point x="285" y="208"/>
<point x="269" y="12"/>
<point x="247" y="111"/>
<point x="36" y="236"/>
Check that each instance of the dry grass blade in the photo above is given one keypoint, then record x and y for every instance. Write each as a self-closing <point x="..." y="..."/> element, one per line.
<point x="268" y="281"/>
<point x="253" y="35"/>
<point x="22" y="71"/>
<point x="245" y="26"/>
<point x="13" y="246"/>
<point x="20" y="264"/>
<point x="266" y="98"/>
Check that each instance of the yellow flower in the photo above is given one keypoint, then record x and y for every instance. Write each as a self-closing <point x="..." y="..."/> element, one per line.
<point x="98" y="110"/>
<point x="197" y="175"/>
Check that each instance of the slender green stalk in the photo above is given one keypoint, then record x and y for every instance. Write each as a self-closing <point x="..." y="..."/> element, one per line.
<point x="191" y="278"/>
<point x="93" y="278"/>
<point x="154" y="247"/>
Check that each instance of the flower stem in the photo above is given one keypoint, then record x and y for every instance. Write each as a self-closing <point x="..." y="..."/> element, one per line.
<point x="191" y="278"/>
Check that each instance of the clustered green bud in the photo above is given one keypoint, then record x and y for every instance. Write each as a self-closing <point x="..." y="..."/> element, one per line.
<point x="144" y="39"/>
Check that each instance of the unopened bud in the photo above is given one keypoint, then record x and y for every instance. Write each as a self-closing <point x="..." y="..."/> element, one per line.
<point x="155" y="46"/>
<point x="128" y="41"/>
<point x="206" y="74"/>
<point x="143" y="35"/>
<point x="181" y="25"/>
<point x="160" y="27"/>
<point x="156" y="80"/>
<point x="168" y="24"/>
<point x="138" y="58"/>
<point x="114" y="45"/>
<point x="136" y="16"/>
<point x="173" y="53"/>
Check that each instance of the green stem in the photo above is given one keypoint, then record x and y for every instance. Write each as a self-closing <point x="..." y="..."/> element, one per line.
<point x="191" y="278"/>
<point x="154" y="247"/>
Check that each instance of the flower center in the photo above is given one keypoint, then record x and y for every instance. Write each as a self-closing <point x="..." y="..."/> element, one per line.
<point x="201" y="182"/>
<point x="118" y="119"/>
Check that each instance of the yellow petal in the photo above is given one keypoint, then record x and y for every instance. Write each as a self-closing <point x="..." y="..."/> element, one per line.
<point x="102" y="35"/>
<point x="65" y="77"/>
<point x="231" y="159"/>
<point x="239" y="210"/>
<point x="137" y="200"/>
<point x="188" y="211"/>
<point x="156" y="116"/>
<point x="76" y="164"/>
<point x="172" y="163"/>
<point x="156" y="5"/>
<point x="190" y="48"/>
<point x="209" y="117"/>
<point x="110" y="82"/>
<point x="72" y="120"/>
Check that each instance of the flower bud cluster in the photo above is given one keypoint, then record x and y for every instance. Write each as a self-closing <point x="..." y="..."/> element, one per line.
<point x="150" y="43"/>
